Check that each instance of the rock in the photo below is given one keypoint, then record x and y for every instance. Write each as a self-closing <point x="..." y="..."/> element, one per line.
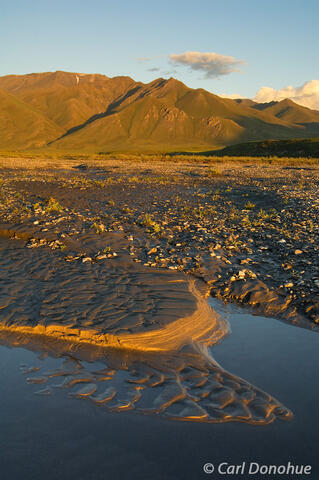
<point x="245" y="260"/>
<point x="82" y="166"/>
<point x="101" y="257"/>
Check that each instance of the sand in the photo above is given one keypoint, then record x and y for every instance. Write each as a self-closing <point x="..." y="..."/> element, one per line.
<point x="150" y="329"/>
<point x="112" y="302"/>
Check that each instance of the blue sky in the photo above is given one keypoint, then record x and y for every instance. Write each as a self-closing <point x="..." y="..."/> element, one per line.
<point x="278" y="40"/>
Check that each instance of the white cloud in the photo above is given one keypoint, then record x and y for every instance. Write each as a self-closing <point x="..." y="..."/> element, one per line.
<point x="306" y="95"/>
<point x="213" y="64"/>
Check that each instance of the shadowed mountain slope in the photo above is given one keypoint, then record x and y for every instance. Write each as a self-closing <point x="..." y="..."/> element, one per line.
<point x="304" y="147"/>
<point x="67" y="99"/>
<point x="289" y="111"/>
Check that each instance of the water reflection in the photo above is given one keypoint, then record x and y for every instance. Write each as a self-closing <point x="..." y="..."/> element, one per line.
<point x="185" y="385"/>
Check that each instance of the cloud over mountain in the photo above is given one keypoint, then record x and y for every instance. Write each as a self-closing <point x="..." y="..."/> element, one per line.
<point x="306" y="95"/>
<point x="211" y="63"/>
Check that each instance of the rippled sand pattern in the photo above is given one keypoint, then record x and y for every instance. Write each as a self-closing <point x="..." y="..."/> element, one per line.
<point x="113" y="302"/>
<point x="183" y="386"/>
<point x="147" y="329"/>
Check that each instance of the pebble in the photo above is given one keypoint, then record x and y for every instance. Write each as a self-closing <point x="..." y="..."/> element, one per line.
<point x="101" y="257"/>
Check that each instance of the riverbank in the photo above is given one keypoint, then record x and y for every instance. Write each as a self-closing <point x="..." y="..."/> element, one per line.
<point x="250" y="231"/>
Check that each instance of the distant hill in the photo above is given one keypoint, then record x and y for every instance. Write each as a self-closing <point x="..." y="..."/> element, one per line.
<point x="306" y="147"/>
<point x="91" y="112"/>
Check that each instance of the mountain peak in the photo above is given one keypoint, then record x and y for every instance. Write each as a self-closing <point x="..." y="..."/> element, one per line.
<point x="287" y="102"/>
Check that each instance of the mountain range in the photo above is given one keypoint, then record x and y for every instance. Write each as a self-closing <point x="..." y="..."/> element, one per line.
<point x="91" y="112"/>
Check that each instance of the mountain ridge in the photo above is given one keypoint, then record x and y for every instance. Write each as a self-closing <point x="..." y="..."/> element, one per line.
<point x="92" y="112"/>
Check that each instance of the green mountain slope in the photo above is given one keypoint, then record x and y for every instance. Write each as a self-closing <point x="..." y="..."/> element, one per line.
<point x="72" y="111"/>
<point x="67" y="99"/>
<point x="23" y="127"/>
<point x="289" y="111"/>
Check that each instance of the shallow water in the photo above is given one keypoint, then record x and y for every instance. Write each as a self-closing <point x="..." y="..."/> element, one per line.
<point x="59" y="436"/>
<point x="149" y="330"/>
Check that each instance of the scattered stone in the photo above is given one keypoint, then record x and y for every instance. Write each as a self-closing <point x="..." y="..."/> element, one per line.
<point x="198" y="225"/>
<point x="101" y="256"/>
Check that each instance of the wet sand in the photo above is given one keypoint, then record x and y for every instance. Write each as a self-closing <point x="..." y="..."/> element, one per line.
<point x="59" y="436"/>
<point x="150" y="330"/>
<point x="114" y="303"/>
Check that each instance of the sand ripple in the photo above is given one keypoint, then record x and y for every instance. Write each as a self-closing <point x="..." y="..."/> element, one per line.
<point x="105" y="303"/>
<point x="148" y="330"/>
<point x="186" y="385"/>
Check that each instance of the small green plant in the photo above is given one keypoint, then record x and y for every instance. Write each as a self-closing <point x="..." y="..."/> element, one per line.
<point x="250" y="205"/>
<point x="99" y="183"/>
<point x="53" y="205"/>
<point x="311" y="225"/>
<point x="262" y="214"/>
<point x="127" y="210"/>
<point x="133" y="179"/>
<point x="213" y="172"/>
<point x="98" y="227"/>
<point x="246" y="221"/>
<point x="147" y="221"/>
<point x="36" y="207"/>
